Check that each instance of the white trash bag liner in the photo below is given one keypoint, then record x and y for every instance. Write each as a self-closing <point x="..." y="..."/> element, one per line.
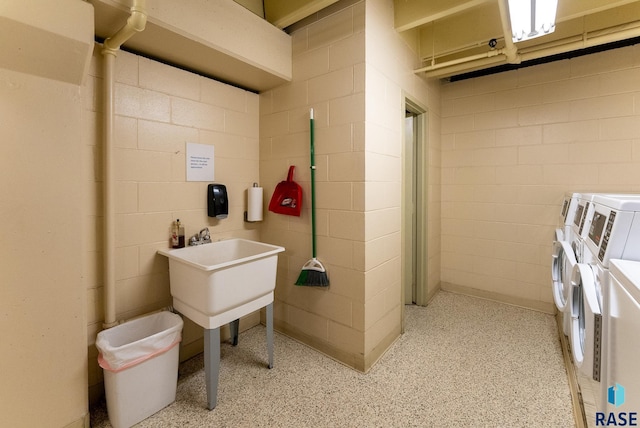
<point x="136" y="341"/>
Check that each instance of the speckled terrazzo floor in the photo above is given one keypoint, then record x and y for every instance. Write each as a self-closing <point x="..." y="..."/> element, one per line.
<point x="463" y="362"/>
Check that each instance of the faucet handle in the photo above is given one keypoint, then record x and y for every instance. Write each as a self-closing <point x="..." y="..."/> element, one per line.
<point x="204" y="236"/>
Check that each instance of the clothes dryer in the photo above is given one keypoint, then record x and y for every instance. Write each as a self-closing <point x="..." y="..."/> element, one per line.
<point x="622" y="344"/>
<point x="577" y="233"/>
<point x="564" y="256"/>
<point x="614" y="232"/>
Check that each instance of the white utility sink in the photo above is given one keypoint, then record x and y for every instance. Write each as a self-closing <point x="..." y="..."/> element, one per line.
<point x="214" y="284"/>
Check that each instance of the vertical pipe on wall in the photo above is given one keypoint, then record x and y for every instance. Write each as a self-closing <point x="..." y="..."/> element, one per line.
<point x="136" y="23"/>
<point x="109" y="58"/>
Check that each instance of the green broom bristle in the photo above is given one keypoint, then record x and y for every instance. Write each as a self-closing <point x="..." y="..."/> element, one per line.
<point x="313" y="278"/>
<point x="302" y="278"/>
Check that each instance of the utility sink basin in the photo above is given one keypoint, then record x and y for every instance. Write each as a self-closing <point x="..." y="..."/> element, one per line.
<point x="214" y="284"/>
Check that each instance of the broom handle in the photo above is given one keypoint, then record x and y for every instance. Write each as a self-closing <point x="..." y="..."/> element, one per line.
<point x="313" y="187"/>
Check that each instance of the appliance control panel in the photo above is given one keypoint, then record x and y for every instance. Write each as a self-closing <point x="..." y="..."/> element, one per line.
<point x="584" y="216"/>
<point x="606" y="236"/>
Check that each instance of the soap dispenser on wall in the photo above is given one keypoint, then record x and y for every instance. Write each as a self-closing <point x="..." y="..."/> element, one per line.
<point x="217" y="201"/>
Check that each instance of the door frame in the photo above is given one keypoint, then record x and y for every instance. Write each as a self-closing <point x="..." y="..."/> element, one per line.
<point x="421" y="155"/>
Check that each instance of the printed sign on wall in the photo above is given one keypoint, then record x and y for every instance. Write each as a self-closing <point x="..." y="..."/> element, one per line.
<point x="199" y="162"/>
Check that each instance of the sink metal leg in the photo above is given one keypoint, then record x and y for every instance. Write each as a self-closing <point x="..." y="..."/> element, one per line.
<point x="270" y="333"/>
<point x="234" y="327"/>
<point x="212" y="364"/>
<point x="212" y="354"/>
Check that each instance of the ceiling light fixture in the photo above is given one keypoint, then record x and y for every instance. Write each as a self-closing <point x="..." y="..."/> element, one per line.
<point x="532" y="18"/>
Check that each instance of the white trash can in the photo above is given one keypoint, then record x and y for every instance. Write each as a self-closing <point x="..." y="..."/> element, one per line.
<point x="140" y="361"/>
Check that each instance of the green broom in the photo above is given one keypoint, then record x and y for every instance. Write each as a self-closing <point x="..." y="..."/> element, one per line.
<point x="313" y="272"/>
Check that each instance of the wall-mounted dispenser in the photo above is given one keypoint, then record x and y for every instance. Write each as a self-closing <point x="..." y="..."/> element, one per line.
<point x="217" y="201"/>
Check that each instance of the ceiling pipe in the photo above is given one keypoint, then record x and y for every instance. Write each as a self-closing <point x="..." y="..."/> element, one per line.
<point x="588" y="40"/>
<point x="507" y="54"/>
<point x="510" y="49"/>
<point x="136" y="23"/>
<point x="595" y="38"/>
<point x="495" y="55"/>
<point x="464" y="67"/>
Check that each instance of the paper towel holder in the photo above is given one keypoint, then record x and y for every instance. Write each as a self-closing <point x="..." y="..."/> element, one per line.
<point x="246" y="213"/>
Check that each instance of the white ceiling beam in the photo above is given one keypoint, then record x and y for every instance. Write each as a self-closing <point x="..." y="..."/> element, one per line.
<point x="572" y="9"/>
<point x="411" y="14"/>
<point x="284" y="13"/>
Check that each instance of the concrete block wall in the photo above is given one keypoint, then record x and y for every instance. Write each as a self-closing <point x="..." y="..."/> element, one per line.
<point x="512" y="144"/>
<point x="328" y="75"/>
<point x="390" y="84"/>
<point x="158" y="109"/>
<point x="355" y="71"/>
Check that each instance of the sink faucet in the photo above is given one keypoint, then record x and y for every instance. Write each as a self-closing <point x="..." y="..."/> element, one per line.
<point x="202" y="237"/>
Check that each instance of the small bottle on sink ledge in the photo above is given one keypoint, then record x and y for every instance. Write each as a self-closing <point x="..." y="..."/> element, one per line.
<point x="177" y="235"/>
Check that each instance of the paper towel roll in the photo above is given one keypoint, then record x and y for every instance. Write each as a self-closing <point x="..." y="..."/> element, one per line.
<point x="254" y="204"/>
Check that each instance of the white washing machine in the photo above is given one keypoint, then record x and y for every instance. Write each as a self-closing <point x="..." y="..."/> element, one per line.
<point x="614" y="232"/>
<point x="577" y="232"/>
<point x="563" y="259"/>
<point x="620" y="387"/>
